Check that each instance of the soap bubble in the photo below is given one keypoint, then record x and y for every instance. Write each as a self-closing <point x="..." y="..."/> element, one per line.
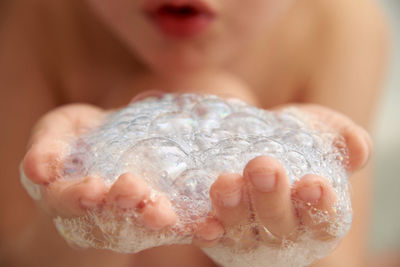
<point x="173" y="124"/>
<point x="180" y="144"/>
<point x="246" y="124"/>
<point x="212" y="108"/>
<point x="191" y="194"/>
<point x="157" y="157"/>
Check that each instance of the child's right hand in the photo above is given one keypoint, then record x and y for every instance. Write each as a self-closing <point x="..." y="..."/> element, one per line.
<point x="42" y="165"/>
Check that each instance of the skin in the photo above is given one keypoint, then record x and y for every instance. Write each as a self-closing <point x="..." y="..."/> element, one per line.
<point x="310" y="51"/>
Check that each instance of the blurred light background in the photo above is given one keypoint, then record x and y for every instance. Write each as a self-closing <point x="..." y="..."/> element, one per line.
<point x="386" y="221"/>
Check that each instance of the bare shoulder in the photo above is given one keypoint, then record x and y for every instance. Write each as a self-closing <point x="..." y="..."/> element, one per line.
<point x="24" y="74"/>
<point x="348" y="57"/>
<point x="25" y="81"/>
<point x="351" y="20"/>
<point x="25" y="94"/>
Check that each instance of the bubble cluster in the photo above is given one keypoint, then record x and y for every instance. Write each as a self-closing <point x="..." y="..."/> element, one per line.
<point x="179" y="144"/>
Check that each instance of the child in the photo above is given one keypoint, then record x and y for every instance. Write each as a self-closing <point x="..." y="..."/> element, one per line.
<point x="269" y="53"/>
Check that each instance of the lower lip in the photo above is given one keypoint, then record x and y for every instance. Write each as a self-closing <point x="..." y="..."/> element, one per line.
<point x="182" y="27"/>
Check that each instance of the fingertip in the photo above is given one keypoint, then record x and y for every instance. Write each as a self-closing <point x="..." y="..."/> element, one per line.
<point x="93" y="191"/>
<point x="317" y="215"/>
<point x="263" y="163"/>
<point x="316" y="192"/>
<point x="226" y="191"/>
<point x="309" y="188"/>
<point x="159" y="214"/>
<point x="209" y="231"/>
<point x="128" y="191"/>
<point x="74" y="197"/>
<point x="37" y="165"/>
<point x="359" y="144"/>
<point x="266" y="174"/>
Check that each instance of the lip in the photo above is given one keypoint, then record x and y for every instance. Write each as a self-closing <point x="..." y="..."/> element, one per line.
<point x="179" y="18"/>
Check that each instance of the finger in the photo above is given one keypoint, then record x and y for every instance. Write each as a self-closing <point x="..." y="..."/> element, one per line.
<point x="208" y="233"/>
<point x="316" y="207"/>
<point x="74" y="198"/>
<point x="128" y="191"/>
<point x="66" y="121"/>
<point x="158" y="214"/>
<point x="357" y="140"/>
<point x="359" y="146"/>
<point x="49" y="140"/>
<point x="270" y="191"/>
<point x="42" y="161"/>
<point x="227" y="199"/>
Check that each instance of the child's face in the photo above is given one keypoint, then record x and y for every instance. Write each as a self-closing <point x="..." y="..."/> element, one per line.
<point x="179" y="35"/>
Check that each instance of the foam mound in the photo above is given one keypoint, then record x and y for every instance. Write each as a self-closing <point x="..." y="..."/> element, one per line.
<point x="179" y="144"/>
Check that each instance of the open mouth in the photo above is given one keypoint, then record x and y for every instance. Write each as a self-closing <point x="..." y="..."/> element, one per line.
<point x="181" y="12"/>
<point x="180" y="19"/>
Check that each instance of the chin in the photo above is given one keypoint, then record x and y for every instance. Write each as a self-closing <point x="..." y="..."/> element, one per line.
<point x="187" y="58"/>
<point x="178" y="64"/>
<point x="179" y="68"/>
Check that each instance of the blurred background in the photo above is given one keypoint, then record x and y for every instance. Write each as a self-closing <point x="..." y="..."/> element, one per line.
<point x="386" y="221"/>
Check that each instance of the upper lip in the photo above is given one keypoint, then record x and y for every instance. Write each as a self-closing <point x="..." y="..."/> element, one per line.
<point x="153" y="6"/>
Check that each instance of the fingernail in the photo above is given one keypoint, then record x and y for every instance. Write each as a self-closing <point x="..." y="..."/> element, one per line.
<point x="310" y="193"/>
<point x="231" y="200"/>
<point x="264" y="182"/>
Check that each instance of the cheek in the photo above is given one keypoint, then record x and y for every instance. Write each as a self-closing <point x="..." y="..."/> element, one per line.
<point x="116" y="12"/>
<point x="123" y="17"/>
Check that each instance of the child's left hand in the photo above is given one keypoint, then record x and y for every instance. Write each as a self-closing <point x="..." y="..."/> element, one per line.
<point x="272" y="197"/>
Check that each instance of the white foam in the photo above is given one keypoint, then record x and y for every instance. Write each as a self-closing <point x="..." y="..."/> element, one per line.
<point x="179" y="144"/>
